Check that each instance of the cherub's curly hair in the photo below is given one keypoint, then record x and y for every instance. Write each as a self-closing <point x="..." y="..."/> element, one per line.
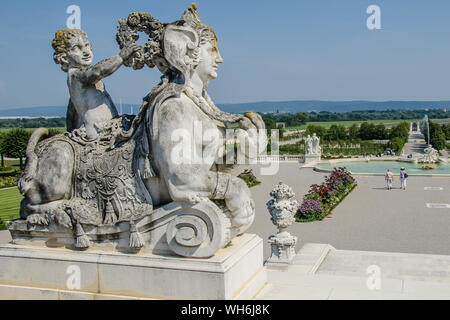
<point x="59" y="44"/>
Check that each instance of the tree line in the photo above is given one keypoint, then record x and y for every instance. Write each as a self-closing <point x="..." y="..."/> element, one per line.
<point x="398" y="135"/>
<point x="33" y="123"/>
<point x="300" y="118"/>
<point x="439" y="134"/>
<point x="365" y="131"/>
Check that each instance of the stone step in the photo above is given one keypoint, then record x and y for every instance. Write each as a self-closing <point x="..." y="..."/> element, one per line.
<point x="319" y="271"/>
<point x="391" y="265"/>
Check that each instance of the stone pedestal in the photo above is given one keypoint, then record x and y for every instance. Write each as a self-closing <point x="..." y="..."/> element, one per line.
<point x="311" y="158"/>
<point x="283" y="250"/>
<point x="282" y="209"/>
<point x="235" y="272"/>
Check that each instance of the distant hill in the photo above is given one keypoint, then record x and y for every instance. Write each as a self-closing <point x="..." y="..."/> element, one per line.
<point x="268" y="106"/>
<point x="332" y="106"/>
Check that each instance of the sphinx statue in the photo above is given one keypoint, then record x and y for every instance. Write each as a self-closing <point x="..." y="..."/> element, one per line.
<point x="147" y="182"/>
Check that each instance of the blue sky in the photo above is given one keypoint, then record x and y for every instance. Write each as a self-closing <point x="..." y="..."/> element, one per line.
<point x="273" y="50"/>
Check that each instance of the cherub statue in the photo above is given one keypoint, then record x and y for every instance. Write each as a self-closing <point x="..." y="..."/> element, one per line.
<point x="90" y="104"/>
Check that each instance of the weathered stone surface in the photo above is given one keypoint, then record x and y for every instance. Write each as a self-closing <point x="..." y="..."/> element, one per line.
<point x="431" y="155"/>
<point x="282" y="208"/>
<point x="149" y="182"/>
<point x="235" y="272"/>
<point x="312" y="146"/>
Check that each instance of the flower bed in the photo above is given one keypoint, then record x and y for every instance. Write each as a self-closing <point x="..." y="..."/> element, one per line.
<point x="322" y="199"/>
<point x="6" y="182"/>
<point x="249" y="178"/>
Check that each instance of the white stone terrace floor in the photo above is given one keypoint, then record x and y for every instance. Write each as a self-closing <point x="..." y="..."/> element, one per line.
<point x="396" y="231"/>
<point x="321" y="272"/>
<point x="371" y="218"/>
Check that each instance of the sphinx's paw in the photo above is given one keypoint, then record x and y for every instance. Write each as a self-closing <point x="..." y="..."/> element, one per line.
<point x="38" y="219"/>
<point x="64" y="221"/>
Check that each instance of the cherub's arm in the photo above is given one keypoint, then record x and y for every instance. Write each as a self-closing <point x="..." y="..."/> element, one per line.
<point x="106" y="67"/>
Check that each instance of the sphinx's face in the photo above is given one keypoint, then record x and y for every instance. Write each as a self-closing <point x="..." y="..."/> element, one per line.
<point x="210" y="59"/>
<point x="79" y="51"/>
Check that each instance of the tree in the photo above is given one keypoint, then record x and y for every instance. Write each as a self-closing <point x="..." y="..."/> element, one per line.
<point x="397" y="144"/>
<point x="367" y="131"/>
<point x="437" y="136"/>
<point x="301" y="117"/>
<point x="400" y="131"/>
<point x="446" y="130"/>
<point x="380" y="132"/>
<point x="270" y="124"/>
<point x="15" y="144"/>
<point x="336" y="132"/>
<point x="318" y="130"/>
<point x="2" y="152"/>
<point x="353" y="132"/>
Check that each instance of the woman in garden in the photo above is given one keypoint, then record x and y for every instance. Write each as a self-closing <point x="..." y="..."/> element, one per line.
<point x="389" y="178"/>
<point x="403" y="177"/>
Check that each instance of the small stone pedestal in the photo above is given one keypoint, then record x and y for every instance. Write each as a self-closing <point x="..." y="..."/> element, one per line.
<point x="235" y="272"/>
<point x="283" y="249"/>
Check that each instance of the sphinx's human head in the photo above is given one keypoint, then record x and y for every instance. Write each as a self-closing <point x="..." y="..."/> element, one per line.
<point x="72" y="49"/>
<point x="209" y="57"/>
<point x="191" y="47"/>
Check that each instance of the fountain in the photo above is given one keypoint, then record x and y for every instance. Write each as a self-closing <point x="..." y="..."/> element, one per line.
<point x="431" y="155"/>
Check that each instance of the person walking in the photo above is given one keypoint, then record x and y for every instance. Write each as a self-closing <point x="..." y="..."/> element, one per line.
<point x="403" y="177"/>
<point x="389" y="178"/>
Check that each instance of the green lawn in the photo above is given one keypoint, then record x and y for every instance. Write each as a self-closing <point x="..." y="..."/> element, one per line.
<point x="387" y="123"/>
<point x="9" y="205"/>
<point x="441" y="121"/>
<point x="62" y="129"/>
<point x="12" y="163"/>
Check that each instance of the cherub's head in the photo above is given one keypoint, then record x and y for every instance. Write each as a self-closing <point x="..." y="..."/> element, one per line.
<point x="72" y="48"/>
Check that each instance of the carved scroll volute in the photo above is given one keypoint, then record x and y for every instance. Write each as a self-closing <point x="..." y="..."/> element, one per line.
<point x="198" y="231"/>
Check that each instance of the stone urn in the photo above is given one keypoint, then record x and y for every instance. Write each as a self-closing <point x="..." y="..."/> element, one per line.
<point x="282" y="209"/>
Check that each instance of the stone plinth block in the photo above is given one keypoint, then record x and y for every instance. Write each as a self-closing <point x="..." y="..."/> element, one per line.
<point x="234" y="272"/>
<point x="312" y="158"/>
<point x="283" y="250"/>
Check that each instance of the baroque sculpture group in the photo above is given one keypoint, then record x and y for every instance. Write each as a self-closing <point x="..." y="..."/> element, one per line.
<point x="122" y="181"/>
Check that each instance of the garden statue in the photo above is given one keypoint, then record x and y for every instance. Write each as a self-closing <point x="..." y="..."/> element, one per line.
<point x="308" y="145"/>
<point x="150" y="181"/>
<point x="312" y="145"/>
<point x="316" y="149"/>
<point x="90" y="105"/>
<point x="282" y="209"/>
<point x="431" y="155"/>
<point x="313" y="151"/>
